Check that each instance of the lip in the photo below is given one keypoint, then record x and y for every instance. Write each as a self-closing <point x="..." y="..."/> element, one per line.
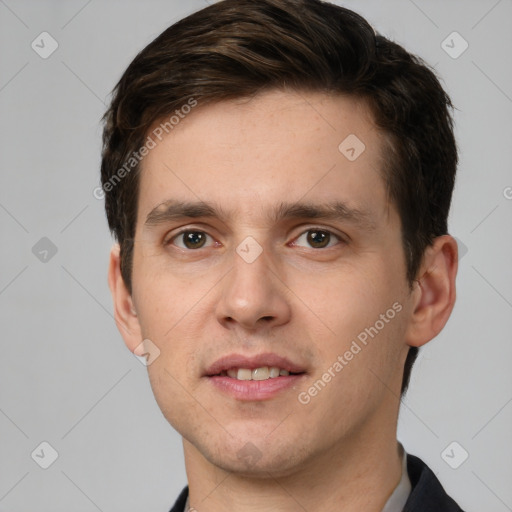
<point x="254" y="390"/>
<point x="252" y="362"/>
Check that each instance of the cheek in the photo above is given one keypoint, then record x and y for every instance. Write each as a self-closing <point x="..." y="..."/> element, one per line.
<point x="360" y="316"/>
<point x="165" y="299"/>
<point x="349" y="301"/>
<point x="172" y="395"/>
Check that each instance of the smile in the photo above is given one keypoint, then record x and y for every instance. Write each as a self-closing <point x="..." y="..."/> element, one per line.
<point x="262" y="373"/>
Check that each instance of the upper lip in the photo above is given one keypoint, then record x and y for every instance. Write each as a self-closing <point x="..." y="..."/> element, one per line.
<point x="252" y="362"/>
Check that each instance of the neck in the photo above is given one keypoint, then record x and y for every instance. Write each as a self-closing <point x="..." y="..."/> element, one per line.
<point x="360" y="475"/>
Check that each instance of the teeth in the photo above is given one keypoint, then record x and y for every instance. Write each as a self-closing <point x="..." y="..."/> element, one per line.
<point x="244" y="374"/>
<point x="262" y="373"/>
<point x="273" y="372"/>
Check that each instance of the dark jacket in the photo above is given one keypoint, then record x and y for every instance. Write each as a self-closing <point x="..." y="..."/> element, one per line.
<point x="427" y="494"/>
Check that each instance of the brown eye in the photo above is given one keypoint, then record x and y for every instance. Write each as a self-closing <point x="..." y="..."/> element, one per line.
<point x="318" y="238"/>
<point x="190" y="239"/>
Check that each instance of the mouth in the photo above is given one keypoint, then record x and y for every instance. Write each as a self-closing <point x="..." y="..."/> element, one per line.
<point x="258" y="367"/>
<point x="254" y="378"/>
<point x="261" y="373"/>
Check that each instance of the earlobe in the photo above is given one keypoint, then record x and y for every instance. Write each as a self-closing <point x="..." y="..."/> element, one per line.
<point x="125" y="314"/>
<point x="433" y="292"/>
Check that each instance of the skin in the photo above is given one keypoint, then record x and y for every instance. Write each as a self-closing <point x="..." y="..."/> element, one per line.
<point x="299" y="300"/>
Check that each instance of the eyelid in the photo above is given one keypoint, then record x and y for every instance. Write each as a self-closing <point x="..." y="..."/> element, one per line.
<point x="311" y="227"/>
<point x="341" y="238"/>
<point x="169" y="239"/>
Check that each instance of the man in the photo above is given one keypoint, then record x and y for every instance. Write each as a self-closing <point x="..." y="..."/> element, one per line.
<point x="278" y="178"/>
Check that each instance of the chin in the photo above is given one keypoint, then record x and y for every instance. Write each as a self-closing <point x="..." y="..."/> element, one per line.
<point x="253" y="462"/>
<point x="254" y="454"/>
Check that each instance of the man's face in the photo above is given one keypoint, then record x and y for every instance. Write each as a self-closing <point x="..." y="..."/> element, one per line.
<point x="263" y="282"/>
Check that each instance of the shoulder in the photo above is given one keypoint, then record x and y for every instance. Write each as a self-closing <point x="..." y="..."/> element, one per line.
<point x="427" y="493"/>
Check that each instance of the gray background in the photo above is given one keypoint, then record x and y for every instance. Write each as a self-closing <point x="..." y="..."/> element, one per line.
<point x="65" y="375"/>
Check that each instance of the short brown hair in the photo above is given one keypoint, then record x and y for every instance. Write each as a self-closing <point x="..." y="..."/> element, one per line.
<point x="238" y="48"/>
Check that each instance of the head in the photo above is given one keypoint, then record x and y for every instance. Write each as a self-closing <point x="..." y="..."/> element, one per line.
<point x="245" y="105"/>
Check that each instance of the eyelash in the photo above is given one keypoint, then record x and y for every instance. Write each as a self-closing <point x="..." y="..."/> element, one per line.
<point x="313" y="229"/>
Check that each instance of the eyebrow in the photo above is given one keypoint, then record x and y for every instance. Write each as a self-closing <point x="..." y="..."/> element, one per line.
<point x="172" y="210"/>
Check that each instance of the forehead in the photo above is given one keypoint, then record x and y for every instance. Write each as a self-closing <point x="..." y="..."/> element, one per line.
<point x="251" y="154"/>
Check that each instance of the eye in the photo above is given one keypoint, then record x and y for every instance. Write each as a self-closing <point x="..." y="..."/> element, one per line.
<point x="318" y="238"/>
<point x="190" y="239"/>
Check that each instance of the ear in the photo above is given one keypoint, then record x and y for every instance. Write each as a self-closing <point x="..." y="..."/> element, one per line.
<point x="125" y="314"/>
<point x="434" y="291"/>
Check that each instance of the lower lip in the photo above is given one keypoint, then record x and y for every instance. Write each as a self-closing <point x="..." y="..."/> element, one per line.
<point x="253" y="390"/>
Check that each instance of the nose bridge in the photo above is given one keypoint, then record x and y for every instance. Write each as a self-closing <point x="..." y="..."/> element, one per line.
<point x="252" y="294"/>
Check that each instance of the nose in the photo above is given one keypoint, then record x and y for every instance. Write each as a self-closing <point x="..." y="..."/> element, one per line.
<point x="253" y="296"/>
